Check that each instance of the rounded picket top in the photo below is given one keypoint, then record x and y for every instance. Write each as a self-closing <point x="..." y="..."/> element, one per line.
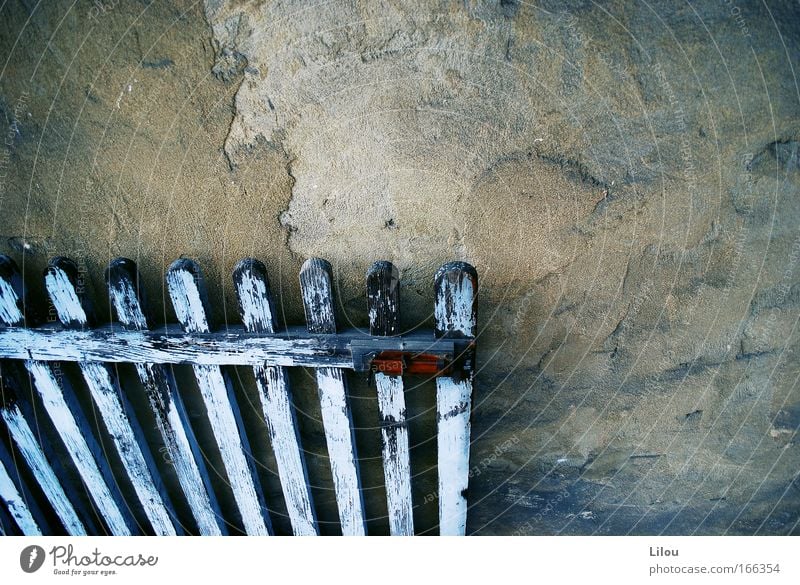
<point x="12" y="293"/>
<point x="252" y="266"/>
<point x="126" y="293"/>
<point x="187" y="291"/>
<point x="316" y="283"/>
<point x="62" y="279"/>
<point x="256" y="305"/>
<point x="383" y="298"/>
<point x="122" y="268"/>
<point x="456" y="289"/>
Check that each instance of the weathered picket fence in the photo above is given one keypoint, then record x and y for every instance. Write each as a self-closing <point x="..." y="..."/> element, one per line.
<point x="447" y="353"/>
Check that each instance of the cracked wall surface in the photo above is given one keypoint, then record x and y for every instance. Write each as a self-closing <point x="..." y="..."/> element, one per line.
<point x="624" y="176"/>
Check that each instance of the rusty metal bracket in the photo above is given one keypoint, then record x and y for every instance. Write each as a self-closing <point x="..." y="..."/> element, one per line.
<point x="413" y="355"/>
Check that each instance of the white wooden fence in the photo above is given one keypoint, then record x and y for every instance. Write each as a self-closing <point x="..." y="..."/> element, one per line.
<point x="447" y="353"/>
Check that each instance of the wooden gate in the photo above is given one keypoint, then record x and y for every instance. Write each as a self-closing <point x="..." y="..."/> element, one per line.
<point x="447" y="353"/>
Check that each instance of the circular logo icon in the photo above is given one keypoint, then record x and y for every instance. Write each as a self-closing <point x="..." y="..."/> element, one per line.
<point x="31" y="558"/>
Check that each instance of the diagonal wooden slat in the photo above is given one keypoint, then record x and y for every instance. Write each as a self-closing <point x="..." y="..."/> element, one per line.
<point x="17" y="499"/>
<point x="67" y="416"/>
<point x="118" y="416"/>
<point x="187" y="291"/>
<point x="6" y="528"/>
<point x="317" y="289"/>
<point x="257" y="310"/>
<point x="383" y="300"/>
<point x="16" y="412"/>
<point x="167" y="405"/>
<point x="456" y="287"/>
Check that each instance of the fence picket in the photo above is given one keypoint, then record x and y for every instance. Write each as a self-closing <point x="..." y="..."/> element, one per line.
<point x="17" y="498"/>
<point x="257" y="310"/>
<point x="167" y="405"/>
<point x="187" y="291"/>
<point x="68" y="418"/>
<point x="6" y="529"/>
<point x="117" y="413"/>
<point x="317" y="289"/>
<point x="456" y="286"/>
<point x="383" y="299"/>
<point x="15" y="412"/>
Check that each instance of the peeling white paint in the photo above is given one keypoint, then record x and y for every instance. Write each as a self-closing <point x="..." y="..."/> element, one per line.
<point x="105" y="393"/>
<point x="64" y="297"/>
<point x="107" y="396"/>
<point x="16" y="505"/>
<point x="63" y="419"/>
<point x="453" y="410"/>
<point x="220" y="406"/>
<point x="119" y="346"/>
<point x="341" y="451"/>
<point x="9" y="310"/>
<point x="77" y="447"/>
<point x="273" y="386"/>
<point x="396" y="456"/>
<point x="180" y="449"/>
<point x="255" y="311"/>
<point x="206" y="514"/>
<point x="33" y="455"/>
<point x="226" y="432"/>
<point x="275" y="394"/>
<point x="186" y="300"/>
<point x="454" y="314"/>
<point x="315" y="284"/>
<point x="454" y="306"/>
<point x="126" y="304"/>
<point x="170" y="417"/>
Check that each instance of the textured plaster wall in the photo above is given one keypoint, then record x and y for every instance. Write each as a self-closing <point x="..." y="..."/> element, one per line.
<point x="623" y="175"/>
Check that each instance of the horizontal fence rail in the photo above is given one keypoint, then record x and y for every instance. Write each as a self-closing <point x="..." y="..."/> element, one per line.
<point x="76" y="485"/>
<point x="235" y="346"/>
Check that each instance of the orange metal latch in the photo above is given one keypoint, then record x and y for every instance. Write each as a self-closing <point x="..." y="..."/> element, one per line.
<point x="397" y="363"/>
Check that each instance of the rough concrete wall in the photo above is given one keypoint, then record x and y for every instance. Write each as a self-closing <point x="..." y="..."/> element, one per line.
<point x="624" y="176"/>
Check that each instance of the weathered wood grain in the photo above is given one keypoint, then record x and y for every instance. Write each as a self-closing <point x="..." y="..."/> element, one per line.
<point x="12" y="293"/>
<point x="78" y="438"/>
<point x="257" y="310"/>
<point x="15" y="412"/>
<point x="117" y="414"/>
<point x="383" y="298"/>
<point x="318" y="302"/>
<point x="234" y="346"/>
<point x="17" y="499"/>
<point x="167" y="405"/>
<point x="383" y="301"/>
<point x="68" y="418"/>
<point x="188" y="295"/>
<point x="456" y="286"/>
